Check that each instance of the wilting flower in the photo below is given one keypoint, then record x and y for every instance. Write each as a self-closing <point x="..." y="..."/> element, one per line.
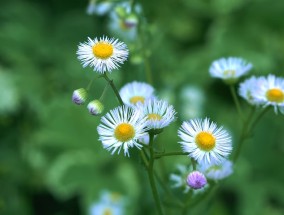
<point x="102" y="54"/>
<point x="229" y="69"/>
<point x="204" y="141"/>
<point x="121" y="128"/>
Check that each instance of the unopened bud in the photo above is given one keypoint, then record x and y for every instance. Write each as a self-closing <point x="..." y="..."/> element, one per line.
<point x="79" y="96"/>
<point x="95" y="107"/>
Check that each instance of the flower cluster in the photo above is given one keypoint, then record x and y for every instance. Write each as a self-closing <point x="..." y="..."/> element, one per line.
<point x="127" y="126"/>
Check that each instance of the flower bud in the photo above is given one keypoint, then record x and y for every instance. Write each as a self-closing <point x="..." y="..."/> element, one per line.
<point x="196" y="180"/>
<point x="95" y="107"/>
<point x="79" y="96"/>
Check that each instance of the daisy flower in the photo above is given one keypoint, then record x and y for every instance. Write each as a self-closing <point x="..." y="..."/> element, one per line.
<point x="158" y="112"/>
<point x="246" y="89"/>
<point x="204" y="141"/>
<point x="270" y="92"/>
<point x="217" y="172"/>
<point x="136" y="92"/>
<point x="229" y="69"/>
<point x="121" y="128"/>
<point x="103" y="54"/>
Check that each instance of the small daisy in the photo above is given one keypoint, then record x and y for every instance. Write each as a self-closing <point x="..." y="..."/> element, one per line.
<point x="229" y="69"/>
<point x="103" y="54"/>
<point x="196" y="180"/>
<point x="158" y="112"/>
<point x="102" y="208"/>
<point x="270" y="92"/>
<point x="218" y="172"/>
<point x="121" y="128"/>
<point x="204" y="141"/>
<point x="136" y="92"/>
<point x="246" y="89"/>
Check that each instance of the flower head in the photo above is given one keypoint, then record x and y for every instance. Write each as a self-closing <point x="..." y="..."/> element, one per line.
<point x="136" y="92"/>
<point x="109" y="204"/>
<point x="270" y="92"/>
<point x="158" y="112"/>
<point x="204" y="141"/>
<point x="229" y="69"/>
<point x="121" y="128"/>
<point x="196" y="180"/>
<point x="217" y="172"/>
<point x="79" y="96"/>
<point x="247" y="88"/>
<point x="103" y="54"/>
<point x="95" y="107"/>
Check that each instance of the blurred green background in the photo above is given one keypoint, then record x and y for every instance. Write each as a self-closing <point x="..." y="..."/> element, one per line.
<point x="51" y="162"/>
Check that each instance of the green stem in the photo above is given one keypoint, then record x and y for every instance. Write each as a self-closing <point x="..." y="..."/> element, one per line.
<point x="113" y="88"/>
<point x="151" y="175"/>
<point x="236" y="100"/>
<point x="169" y="154"/>
<point x="104" y="92"/>
<point x="247" y="130"/>
<point x="193" y="163"/>
<point x="91" y="82"/>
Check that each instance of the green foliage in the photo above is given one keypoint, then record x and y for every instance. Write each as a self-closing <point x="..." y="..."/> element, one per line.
<point x="48" y="143"/>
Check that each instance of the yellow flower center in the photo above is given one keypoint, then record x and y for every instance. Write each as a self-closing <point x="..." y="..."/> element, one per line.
<point x="205" y="141"/>
<point x="230" y="72"/>
<point x="102" y="50"/>
<point x="124" y="132"/>
<point x="154" y="116"/>
<point x="115" y="197"/>
<point x="136" y="99"/>
<point x="107" y="212"/>
<point x="275" y="95"/>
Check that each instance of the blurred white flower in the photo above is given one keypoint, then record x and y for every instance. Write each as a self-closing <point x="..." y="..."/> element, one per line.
<point x="8" y="93"/>
<point x="229" y="69"/>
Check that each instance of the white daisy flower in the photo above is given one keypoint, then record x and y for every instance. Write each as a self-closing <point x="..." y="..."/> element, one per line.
<point x="136" y="92"/>
<point x="204" y="141"/>
<point x="103" y="54"/>
<point x="121" y="128"/>
<point x="270" y="92"/>
<point x="246" y="89"/>
<point x="229" y="69"/>
<point x="217" y="172"/>
<point x="158" y="112"/>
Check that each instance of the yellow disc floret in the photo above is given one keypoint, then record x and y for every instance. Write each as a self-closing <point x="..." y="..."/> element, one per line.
<point x="205" y="141"/>
<point x="154" y="116"/>
<point x="230" y="72"/>
<point x="136" y="99"/>
<point x="275" y="95"/>
<point x="124" y="132"/>
<point x="107" y="212"/>
<point x="103" y="50"/>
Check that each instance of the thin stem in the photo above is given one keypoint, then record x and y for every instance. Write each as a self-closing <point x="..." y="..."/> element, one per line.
<point x="169" y="154"/>
<point x="236" y="100"/>
<point x="104" y="92"/>
<point x="144" y="158"/>
<point x="193" y="163"/>
<point x="113" y="88"/>
<point x="151" y="175"/>
<point x="246" y="131"/>
<point x="148" y="70"/>
<point x="91" y="82"/>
